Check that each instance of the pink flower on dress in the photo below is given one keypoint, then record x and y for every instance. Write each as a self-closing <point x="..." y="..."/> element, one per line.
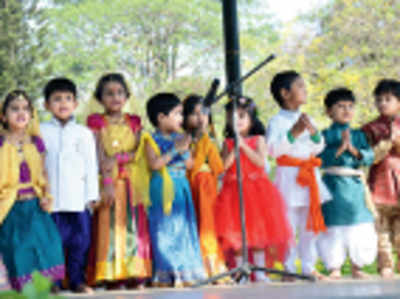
<point x="96" y="121"/>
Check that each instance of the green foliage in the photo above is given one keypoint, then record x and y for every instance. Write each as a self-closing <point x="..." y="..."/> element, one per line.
<point x="23" y="53"/>
<point x="39" y="288"/>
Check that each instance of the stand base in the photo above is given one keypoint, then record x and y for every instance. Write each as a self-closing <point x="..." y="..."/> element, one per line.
<point x="245" y="270"/>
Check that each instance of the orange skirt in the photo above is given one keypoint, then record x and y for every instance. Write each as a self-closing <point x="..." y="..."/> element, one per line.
<point x="204" y="191"/>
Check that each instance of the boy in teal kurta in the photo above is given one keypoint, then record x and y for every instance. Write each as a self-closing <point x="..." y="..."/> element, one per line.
<point x="349" y="216"/>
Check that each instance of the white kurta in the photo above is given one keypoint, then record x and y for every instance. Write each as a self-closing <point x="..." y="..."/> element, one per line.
<point x="71" y="163"/>
<point x="296" y="197"/>
<point x="303" y="148"/>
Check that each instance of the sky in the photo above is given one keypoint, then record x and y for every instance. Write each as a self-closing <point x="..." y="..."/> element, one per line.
<point x="286" y="10"/>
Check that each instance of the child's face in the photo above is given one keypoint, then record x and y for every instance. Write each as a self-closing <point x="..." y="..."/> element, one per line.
<point x="62" y="104"/>
<point x="342" y="112"/>
<point x="113" y="97"/>
<point x="18" y="114"/>
<point x="387" y="104"/>
<point x="173" y="121"/>
<point x="197" y="119"/>
<point x="297" y="95"/>
<point x="243" y="121"/>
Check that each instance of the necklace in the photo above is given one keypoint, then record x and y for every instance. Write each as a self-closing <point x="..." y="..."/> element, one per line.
<point x="18" y="142"/>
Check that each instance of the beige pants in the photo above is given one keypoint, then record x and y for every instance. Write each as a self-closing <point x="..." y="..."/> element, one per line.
<point x="388" y="226"/>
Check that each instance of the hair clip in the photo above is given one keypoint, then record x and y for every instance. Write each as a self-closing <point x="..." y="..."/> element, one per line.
<point x="242" y="101"/>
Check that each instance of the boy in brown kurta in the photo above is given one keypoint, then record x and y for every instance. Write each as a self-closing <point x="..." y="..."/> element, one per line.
<point x="383" y="134"/>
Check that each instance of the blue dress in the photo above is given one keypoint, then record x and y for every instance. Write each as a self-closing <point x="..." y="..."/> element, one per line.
<point x="174" y="237"/>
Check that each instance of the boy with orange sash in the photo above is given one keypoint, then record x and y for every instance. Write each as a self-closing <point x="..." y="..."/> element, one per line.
<point x="294" y="141"/>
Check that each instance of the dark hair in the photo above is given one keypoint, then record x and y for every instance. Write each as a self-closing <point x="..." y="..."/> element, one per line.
<point x="338" y="94"/>
<point x="388" y="86"/>
<point x="107" y="78"/>
<point x="13" y="95"/>
<point x="59" y="84"/>
<point x="282" y="80"/>
<point x="247" y="104"/>
<point x="189" y="104"/>
<point x="161" y="103"/>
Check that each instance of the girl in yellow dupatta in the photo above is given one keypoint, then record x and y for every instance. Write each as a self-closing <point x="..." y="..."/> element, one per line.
<point x="120" y="251"/>
<point x="203" y="178"/>
<point x="29" y="239"/>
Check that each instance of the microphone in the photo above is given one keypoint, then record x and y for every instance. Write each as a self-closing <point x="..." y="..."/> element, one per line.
<point x="210" y="97"/>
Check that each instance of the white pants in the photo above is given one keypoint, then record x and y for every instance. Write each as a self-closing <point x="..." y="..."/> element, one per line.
<point x="306" y="248"/>
<point x="359" y="241"/>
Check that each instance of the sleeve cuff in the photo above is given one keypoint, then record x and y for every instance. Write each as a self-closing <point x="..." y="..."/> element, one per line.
<point x="290" y="137"/>
<point x="316" y="138"/>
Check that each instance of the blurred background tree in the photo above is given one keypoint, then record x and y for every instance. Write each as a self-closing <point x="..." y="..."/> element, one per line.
<point x="178" y="46"/>
<point x="24" y="52"/>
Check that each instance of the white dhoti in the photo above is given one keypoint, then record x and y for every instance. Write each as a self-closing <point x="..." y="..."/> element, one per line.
<point x="358" y="241"/>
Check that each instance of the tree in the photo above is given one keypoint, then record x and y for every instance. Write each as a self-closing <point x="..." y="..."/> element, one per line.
<point x="23" y="52"/>
<point x="356" y="45"/>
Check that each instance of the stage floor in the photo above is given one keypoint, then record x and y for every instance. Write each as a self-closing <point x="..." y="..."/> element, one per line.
<point x="343" y="289"/>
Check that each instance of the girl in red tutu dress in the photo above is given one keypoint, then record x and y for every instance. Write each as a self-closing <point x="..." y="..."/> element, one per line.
<point x="266" y="225"/>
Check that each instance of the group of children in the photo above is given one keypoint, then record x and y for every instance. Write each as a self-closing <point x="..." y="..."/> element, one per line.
<point x="110" y="204"/>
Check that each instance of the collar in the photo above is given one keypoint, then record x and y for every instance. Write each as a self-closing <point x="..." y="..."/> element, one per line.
<point x="290" y="113"/>
<point x="57" y="123"/>
<point x="339" y="126"/>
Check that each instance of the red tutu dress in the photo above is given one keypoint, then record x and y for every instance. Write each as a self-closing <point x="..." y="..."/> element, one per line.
<point x="267" y="226"/>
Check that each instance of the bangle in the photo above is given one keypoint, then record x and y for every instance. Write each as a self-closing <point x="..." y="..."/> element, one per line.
<point x="107" y="181"/>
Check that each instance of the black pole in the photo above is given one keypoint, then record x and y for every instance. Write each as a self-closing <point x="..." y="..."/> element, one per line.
<point x="234" y="90"/>
<point x="232" y="62"/>
<point x="232" y="48"/>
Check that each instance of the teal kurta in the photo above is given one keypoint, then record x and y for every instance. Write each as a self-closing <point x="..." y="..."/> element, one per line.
<point x="348" y="206"/>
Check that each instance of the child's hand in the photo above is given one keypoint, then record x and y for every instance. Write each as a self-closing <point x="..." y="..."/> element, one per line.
<point x="183" y="144"/>
<point x="45" y="204"/>
<point x="299" y="126"/>
<point x="346" y="143"/>
<point x="108" y="194"/>
<point x="395" y="138"/>
<point x="346" y="138"/>
<point x="108" y="164"/>
<point x="309" y="126"/>
<point x="93" y="205"/>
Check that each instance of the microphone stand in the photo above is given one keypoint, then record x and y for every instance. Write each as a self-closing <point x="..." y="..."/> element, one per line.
<point x="244" y="270"/>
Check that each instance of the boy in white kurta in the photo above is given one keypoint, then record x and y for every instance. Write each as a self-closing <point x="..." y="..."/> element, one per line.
<point x="295" y="142"/>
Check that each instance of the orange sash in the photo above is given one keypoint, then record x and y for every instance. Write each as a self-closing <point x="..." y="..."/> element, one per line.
<point x="306" y="178"/>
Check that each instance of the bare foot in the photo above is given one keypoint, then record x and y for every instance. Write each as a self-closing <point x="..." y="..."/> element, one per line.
<point x="335" y="274"/>
<point x="179" y="284"/>
<point x="357" y="273"/>
<point x="319" y="276"/>
<point x="288" y="278"/>
<point x="387" y="273"/>
<point x="55" y="289"/>
<point x="83" y="288"/>
<point x="161" y="284"/>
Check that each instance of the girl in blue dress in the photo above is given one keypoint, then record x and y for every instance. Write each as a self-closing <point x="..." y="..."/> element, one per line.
<point x="177" y="258"/>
